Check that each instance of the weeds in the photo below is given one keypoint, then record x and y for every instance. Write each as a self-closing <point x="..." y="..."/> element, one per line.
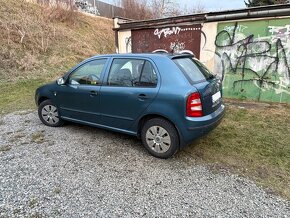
<point x="40" y="40"/>
<point x="16" y="137"/>
<point x="33" y="203"/>
<point x="36" y="48"/>
<point x="37" y="137"/>
<point x="57" y="190"/>
<point x="4" y="148"/>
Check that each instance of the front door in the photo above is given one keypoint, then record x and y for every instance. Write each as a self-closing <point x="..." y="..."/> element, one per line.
<point x="79" y="98"/>
<point x="132" y="85"/>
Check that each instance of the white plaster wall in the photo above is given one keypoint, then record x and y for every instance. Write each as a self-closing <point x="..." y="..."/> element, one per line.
<point x="115" y="21"/>
<point x="207" y="45"/>
<point x="124" y="41"/>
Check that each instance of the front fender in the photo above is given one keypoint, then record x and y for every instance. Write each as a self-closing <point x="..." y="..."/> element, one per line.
<point x="44" y="92"/>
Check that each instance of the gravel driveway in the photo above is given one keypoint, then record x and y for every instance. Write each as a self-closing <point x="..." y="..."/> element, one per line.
<point x="79" y="171"/>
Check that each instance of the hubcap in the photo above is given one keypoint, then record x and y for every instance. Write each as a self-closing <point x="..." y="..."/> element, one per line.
<point x="158" y="139"/>
<point x="49" y="114"/>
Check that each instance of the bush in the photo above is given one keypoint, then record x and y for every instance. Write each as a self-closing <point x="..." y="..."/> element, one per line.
<point x="60" y="10"/>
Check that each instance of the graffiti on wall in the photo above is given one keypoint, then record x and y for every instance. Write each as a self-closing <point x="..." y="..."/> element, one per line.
<point x="176" y="39"/>
<point x="175" y="46"/>
<point x="167" y="31"/>
<point x="254" y="62"/>
<point x="128" y="43"/>
<point x="87" y="7"/>
<point x="172" y="31"/>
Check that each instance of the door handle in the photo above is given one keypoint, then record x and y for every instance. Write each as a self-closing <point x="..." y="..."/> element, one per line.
<point x="142" y="97"/>
<point x="93" y="93"/>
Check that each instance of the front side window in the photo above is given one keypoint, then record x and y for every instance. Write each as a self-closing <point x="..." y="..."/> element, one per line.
<point x="132" y="73"/>
<point x="88" y="74"/>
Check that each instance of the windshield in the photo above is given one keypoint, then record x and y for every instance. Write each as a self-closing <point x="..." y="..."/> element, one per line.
<point x="194" y="70"/>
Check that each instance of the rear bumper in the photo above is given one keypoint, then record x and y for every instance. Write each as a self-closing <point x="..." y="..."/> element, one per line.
<point x="199" y="126"/>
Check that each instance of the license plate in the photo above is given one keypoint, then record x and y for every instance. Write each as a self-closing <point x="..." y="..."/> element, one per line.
<point x="216" y="97"/>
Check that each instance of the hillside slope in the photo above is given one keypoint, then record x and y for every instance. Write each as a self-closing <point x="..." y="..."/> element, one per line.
<point x="39" y="44"/>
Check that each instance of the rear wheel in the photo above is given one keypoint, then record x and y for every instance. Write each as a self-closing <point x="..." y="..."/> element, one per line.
<point x="160" y="138"/>
<point x="48" y="114"/>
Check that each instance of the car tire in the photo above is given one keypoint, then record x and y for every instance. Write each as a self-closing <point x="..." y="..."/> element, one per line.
<point x="160" y="138"/>
<point x="48" y="114"/>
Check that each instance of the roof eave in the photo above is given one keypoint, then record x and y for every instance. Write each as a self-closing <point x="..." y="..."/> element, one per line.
<point x="205" y="17"/>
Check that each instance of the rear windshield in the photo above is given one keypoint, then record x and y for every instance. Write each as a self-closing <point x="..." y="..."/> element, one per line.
<point x="193" y="69"/>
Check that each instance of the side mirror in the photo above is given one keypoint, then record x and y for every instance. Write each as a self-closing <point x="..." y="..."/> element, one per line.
<point x="60" y="81"/>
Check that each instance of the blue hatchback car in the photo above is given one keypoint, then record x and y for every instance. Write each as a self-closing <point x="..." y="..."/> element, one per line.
<point x="167" y="100"/>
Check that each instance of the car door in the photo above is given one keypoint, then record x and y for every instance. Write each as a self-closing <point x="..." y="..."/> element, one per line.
<point x="132" y="84"/>
<point x="79" y="99"/>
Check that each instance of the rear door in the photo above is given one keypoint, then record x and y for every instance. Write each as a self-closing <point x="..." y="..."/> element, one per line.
<point x="132" y="84"/>
<point x="202" y="79"/>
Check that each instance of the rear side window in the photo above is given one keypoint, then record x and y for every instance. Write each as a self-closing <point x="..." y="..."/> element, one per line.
<point x="148" y="77"/>
<point x="132" y="73"/>
<point x="193" y="69"/>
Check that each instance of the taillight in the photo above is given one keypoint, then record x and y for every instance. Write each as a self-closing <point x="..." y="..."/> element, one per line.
<point x="193" y="105"/>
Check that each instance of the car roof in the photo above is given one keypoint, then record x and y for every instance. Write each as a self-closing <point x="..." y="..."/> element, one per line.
<point x="144" y="55"/>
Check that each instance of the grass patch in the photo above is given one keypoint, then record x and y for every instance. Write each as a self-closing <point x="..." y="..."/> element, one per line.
<point x="5" y="148"/>
<point x="19" y="95"/>
<point x="253" y="142"/>
<point x="33" y="203"/>
<point x="16" y="137"/>
<point x="37" y="137"/>
<point x="57" y="190"/>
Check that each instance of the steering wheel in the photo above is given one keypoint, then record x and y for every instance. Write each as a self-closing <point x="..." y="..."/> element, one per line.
<point x="93" y="79"/>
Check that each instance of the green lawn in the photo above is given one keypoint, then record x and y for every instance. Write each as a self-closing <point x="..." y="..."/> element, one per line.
<point x="18" y="95"/>
<point x="252" y="140"/>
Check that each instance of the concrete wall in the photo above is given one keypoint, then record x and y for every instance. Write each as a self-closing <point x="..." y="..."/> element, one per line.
<point x="253" y="59"/>
<point x="92" y="7"/>
<point x="99" y="8"/>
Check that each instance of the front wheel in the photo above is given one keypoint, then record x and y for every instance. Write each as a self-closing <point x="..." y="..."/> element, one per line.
<point x="160" y="138"/>
<point x="48" y="114"/>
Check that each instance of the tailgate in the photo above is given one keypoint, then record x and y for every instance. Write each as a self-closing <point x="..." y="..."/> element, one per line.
<point x="211" y="95"/>
<point x="203" y="80"/>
